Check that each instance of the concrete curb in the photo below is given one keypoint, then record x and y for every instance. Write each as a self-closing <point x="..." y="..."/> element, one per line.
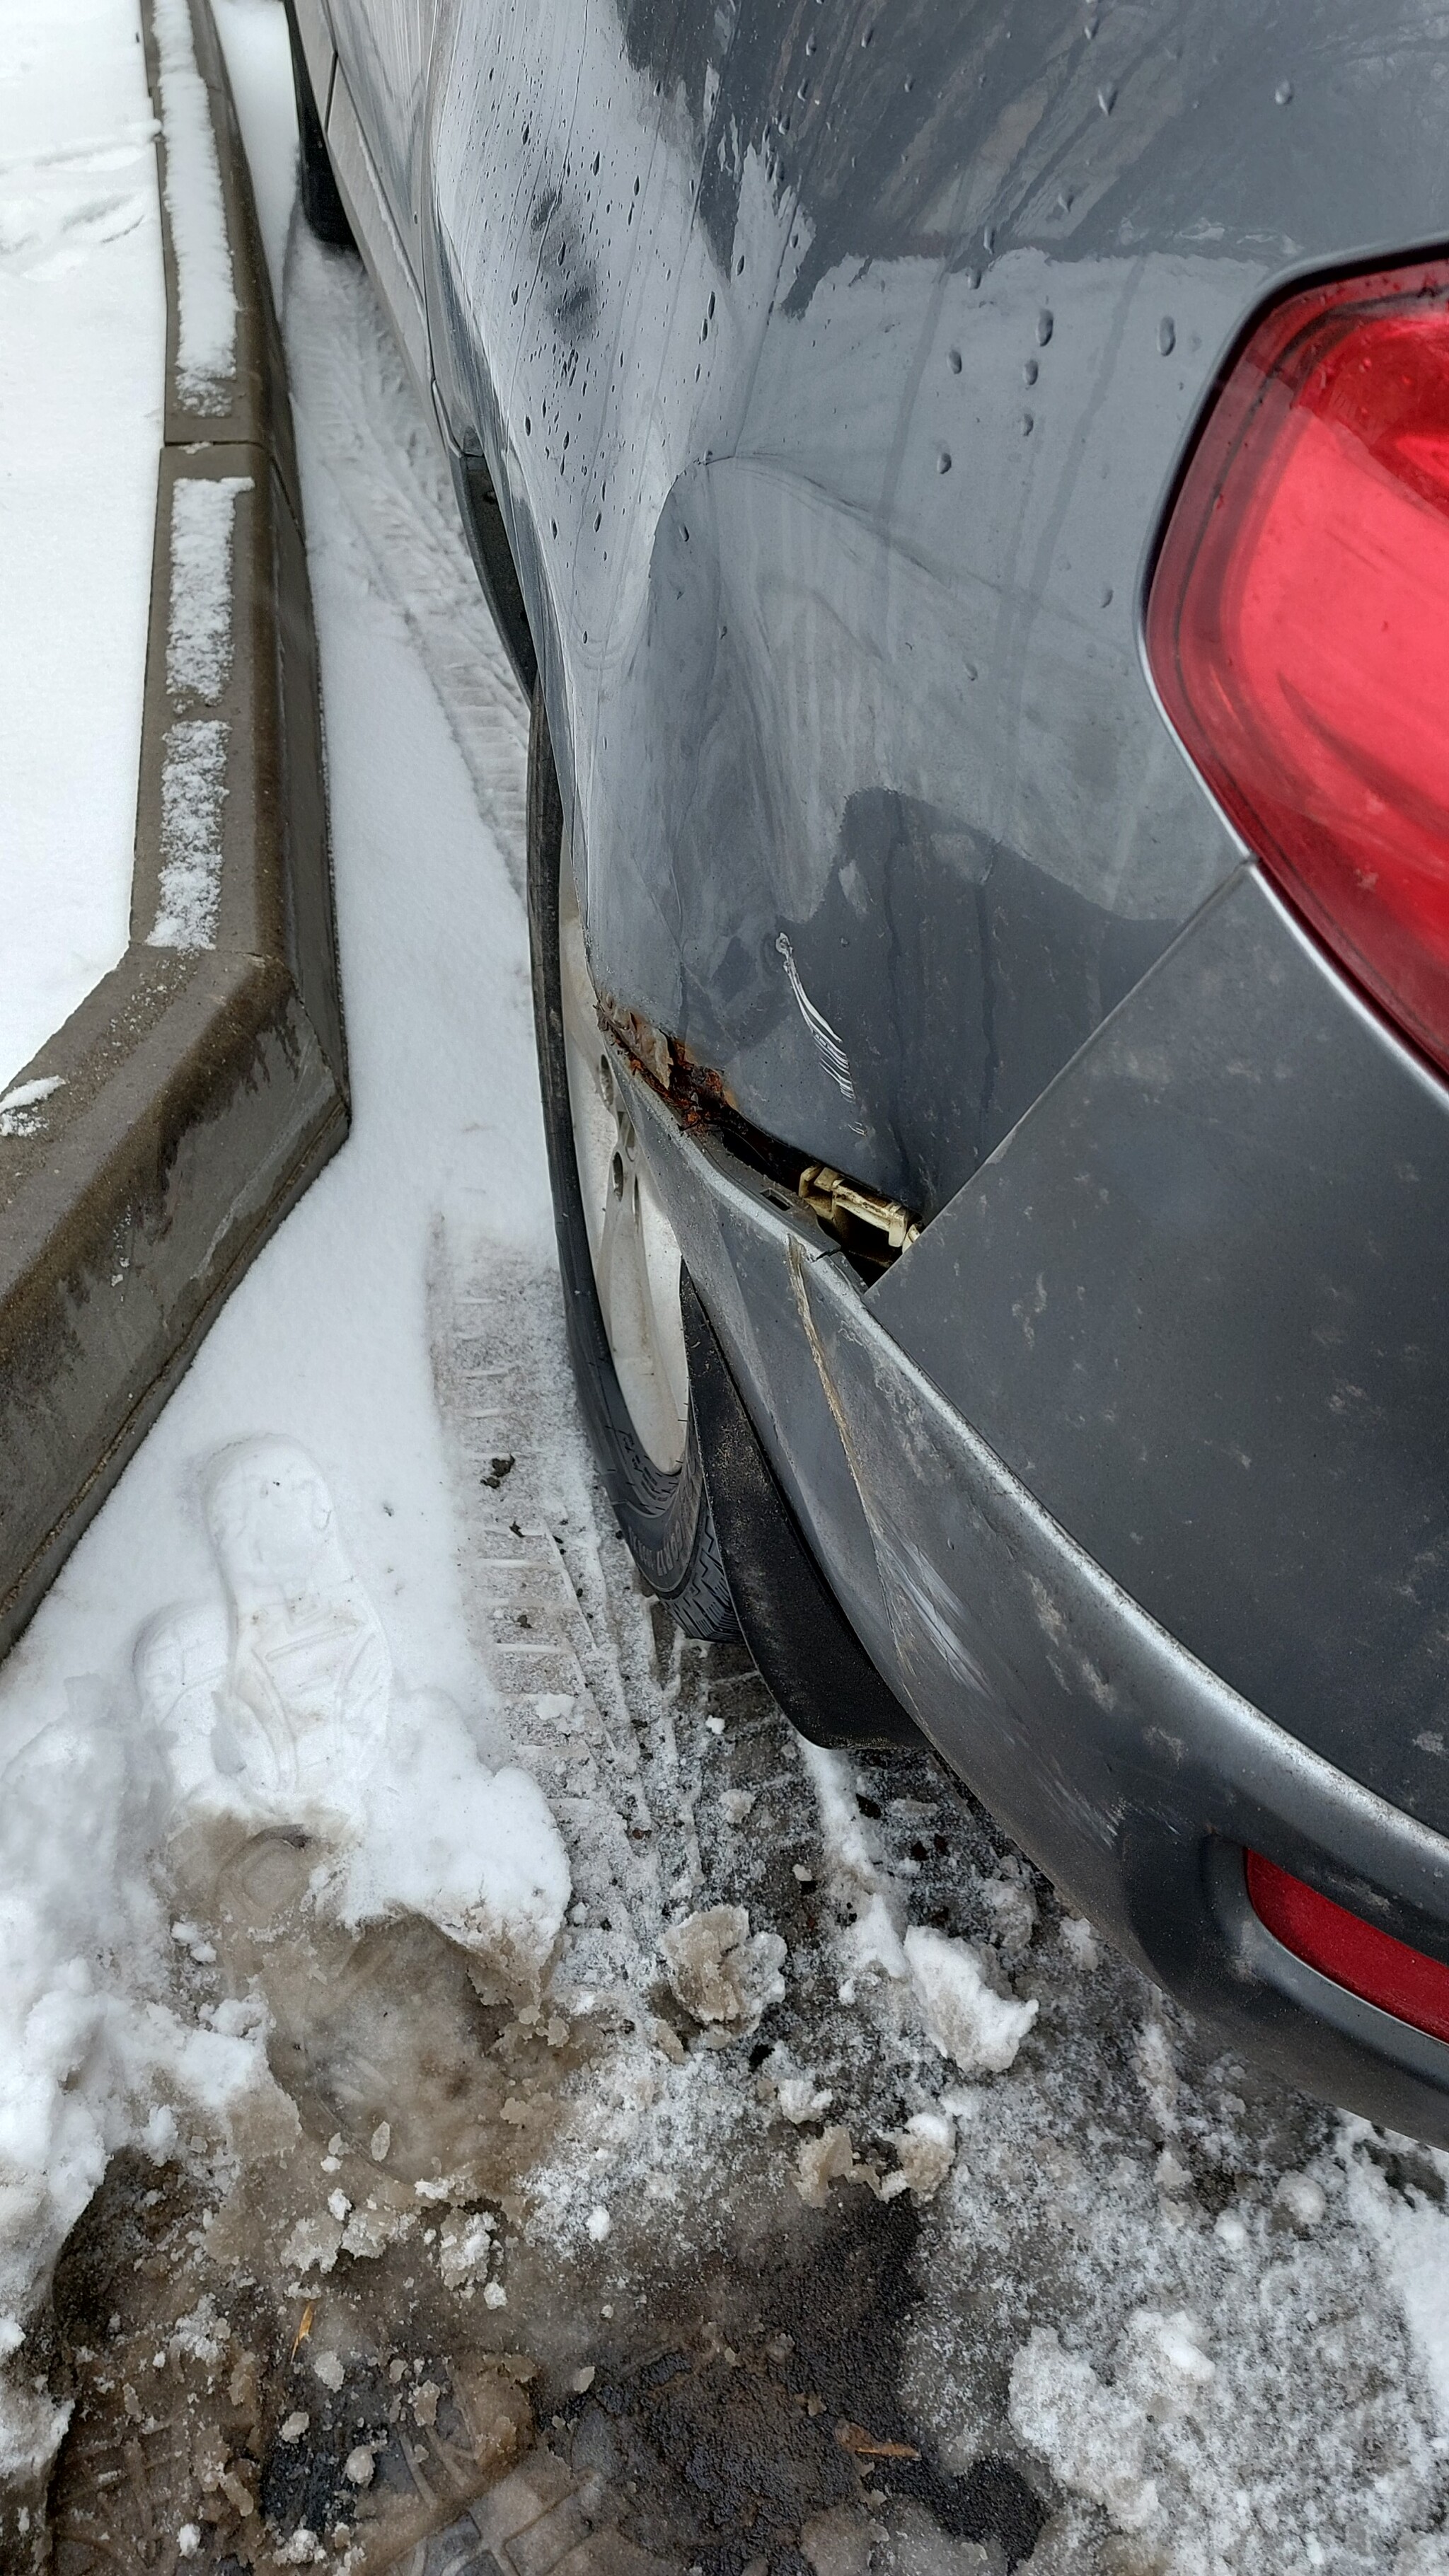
<point x="161" y="1135"/>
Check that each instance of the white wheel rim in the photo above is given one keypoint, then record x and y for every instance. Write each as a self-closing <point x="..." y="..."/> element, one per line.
<point x="632" y="1245"/>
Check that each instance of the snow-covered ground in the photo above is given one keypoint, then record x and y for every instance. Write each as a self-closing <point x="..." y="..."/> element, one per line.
<point x="470" y="2008"/>
<point x="82" y="350"/>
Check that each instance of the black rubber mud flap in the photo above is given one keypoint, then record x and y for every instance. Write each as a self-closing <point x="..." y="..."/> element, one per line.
<point x="790" y="1619"/>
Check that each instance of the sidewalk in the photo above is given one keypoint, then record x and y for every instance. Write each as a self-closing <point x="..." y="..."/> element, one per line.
<point x="83" y="335"/>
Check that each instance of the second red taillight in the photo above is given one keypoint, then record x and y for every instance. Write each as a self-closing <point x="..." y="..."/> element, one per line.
<point x="1298" y="623"/>
<point x="1369" y="1961"/>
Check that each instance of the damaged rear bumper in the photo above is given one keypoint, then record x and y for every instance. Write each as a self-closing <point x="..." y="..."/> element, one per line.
<point x="1124" y="1761"/>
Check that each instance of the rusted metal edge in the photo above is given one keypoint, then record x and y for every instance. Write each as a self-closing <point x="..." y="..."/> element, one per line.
<point x="872" y="1230"/>
<point x="158" y="1139"/>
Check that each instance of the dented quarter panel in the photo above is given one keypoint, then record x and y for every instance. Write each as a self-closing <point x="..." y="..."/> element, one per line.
<point x="833" y="364"/>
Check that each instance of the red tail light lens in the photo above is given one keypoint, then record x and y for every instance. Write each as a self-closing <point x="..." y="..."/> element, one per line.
<point x="1298" y="623"/>
<point x="1355" y="1954"/>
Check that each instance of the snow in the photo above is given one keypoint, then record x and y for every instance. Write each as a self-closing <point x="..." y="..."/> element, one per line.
<point x="277" y="1706"/>
<point x="215" y="1573"/>
<point x="963" y="2014"/>
<point x="22" y="1101"/>
<point x="1092" y="2438"/>
<point x="91" y="2054"/>
<point x="199" y="643"/>
<point x="82" y="350"/>
<point x="205" y="286"/>
<point x="193" y="792"/>
<point x="271" y="1705"/>
<point x="1412" y="2234"/>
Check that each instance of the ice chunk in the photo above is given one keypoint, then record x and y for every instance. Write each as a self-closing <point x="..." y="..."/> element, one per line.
<point x="926" y="2148"/>
<point x="822" y="2161"/>
<point x="369" y="2232"/>
<point x="800" y="2099"/>
<point x="1080" y="1942"/>
<point x="202" y="2336"/>
<point x="314" y="2245"/>
<point x="968" y="2021"/>
<point x="465" y="2247"/>
<point x="721" y="1972"/>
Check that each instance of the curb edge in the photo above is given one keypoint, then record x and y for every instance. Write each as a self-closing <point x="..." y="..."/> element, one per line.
<point x="202" y="1084"/>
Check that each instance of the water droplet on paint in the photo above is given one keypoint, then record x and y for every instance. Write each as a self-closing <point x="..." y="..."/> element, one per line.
<point x="1283" y="93"/>
<point x="1166" y="335"/>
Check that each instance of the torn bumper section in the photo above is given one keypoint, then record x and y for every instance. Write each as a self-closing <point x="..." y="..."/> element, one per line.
<point x="1127" y="1471"/>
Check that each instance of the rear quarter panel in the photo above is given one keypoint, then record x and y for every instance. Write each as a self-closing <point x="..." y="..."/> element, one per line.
<point x="834" y="363"/>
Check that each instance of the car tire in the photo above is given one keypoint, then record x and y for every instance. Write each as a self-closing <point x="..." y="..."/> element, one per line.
<point x="800" y="1638"/>
<point x="321" y="198"/>
<point x="645" y="1440"/>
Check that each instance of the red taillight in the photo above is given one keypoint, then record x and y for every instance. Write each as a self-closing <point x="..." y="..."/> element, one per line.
<point x="1355" y="1954"/>
<point x="1298" y="623"/>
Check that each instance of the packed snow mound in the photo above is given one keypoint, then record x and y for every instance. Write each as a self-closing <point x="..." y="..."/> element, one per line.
<point x="280" y="1707"/>
<point x="92" y="2058"/>
<point x="273" y="1706"/>
<point x="964" y="2015"/>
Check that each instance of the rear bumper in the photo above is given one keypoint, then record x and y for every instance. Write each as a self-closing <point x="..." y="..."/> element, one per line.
<point x="1274" y="1157"/>
<point x="1134" y="1774"/>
